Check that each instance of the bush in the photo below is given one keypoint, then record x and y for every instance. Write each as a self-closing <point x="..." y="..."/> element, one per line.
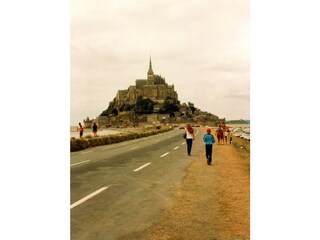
<point x="93" y="142"/>
<point x="106" y="140"/>
<point x="78" y="144"/>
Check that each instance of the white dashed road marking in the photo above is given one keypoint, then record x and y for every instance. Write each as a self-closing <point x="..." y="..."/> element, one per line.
<point x="80" y="162"/>
<point x="87" y="197"/>
<point x="164" y="154"/>
<point x="141" y="167"/>
<point x="176" y="147"/>
<point x="183" y="143"/>
<point x="134" y="147"/>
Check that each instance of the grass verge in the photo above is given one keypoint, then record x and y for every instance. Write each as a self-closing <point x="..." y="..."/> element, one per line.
<point x="77" y="144"/>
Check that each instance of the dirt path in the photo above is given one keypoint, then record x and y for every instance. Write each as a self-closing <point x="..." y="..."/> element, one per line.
<point x="213" y="202"/>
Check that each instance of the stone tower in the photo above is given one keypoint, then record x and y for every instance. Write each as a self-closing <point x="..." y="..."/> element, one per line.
<point x="150" y="79"/>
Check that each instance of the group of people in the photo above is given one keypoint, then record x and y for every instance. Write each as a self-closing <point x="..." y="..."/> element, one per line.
<point x="208" y="140"/>
<point x="80" y="129"/>
<point x="222" y="134"/>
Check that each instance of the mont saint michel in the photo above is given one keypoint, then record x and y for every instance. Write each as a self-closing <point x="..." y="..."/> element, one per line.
<point x="150" y="101"/>
<point x="154" y="88"/>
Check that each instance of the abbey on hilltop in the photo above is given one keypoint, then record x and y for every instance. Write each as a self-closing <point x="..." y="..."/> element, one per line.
<point x="154" y="88"/>
<point x="150" y="101"/>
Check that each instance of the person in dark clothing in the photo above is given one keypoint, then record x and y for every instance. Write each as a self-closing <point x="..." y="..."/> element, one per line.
<point x="209" y="140"/>
<point x="95" y="129"/>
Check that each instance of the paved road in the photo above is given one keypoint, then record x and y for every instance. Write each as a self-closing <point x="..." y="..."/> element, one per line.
<point x="120" y="189"/>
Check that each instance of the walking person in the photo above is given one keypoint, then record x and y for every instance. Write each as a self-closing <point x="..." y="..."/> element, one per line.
<point x="225" y="132"/>
<point x="94" y="129"/>
<point x="219" y="133"/>
<point x="209" y="140"/>
<point x="189" y="137"/>
<point x="80" y="129"/>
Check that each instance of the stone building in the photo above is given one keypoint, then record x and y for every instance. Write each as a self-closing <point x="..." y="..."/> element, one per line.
<point x="102" y="121"/>
<point x="87" y="123"/>
<point x="154" y="87"/>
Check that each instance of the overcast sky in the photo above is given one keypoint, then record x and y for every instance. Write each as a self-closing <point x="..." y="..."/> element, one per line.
<point x="200" y="46"/>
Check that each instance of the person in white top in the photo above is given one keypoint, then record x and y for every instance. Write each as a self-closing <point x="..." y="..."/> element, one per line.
<point x="189" y="137"/>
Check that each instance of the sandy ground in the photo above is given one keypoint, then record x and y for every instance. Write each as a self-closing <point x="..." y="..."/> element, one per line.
<point x="213" y="202"/>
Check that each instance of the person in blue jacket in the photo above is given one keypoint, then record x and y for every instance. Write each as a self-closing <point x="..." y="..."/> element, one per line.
<point x="209" y="140"/>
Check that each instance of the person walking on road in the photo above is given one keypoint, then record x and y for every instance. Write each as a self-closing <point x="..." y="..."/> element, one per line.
<point x="95" y="129"/>
<point x="225" y="129"/>
<point x="189" y="137"/>
<point x="209" y="140"/>
<point x="80" y="129"/>
<point x="219" y="133"/>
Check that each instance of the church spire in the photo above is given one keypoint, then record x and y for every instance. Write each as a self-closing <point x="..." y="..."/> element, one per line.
<point x="150" y="71"/>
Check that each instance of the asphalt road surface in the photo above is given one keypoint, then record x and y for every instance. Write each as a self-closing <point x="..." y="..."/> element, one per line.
<point x="122" y="188"/>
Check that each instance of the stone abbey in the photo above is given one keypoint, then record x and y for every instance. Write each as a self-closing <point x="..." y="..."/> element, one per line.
<point x="154" y="88"/>
<point x="150" y="101"/>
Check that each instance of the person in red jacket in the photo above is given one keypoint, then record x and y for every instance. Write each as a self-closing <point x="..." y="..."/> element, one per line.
<point x="80" y="129"/>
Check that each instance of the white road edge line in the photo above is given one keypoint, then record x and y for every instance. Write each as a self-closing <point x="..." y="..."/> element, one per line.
<point x="176" y="147"/>
<point x="87" y="197"/>
<point x="164" y="154"/>
<point x="134" y="147"/>
<point x="141" y="167"/>
<point x="79" y="163"/>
